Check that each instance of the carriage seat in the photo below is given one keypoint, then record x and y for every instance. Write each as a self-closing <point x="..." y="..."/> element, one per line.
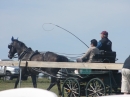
<point x="105" y="57"/>
<point x="102" y="57"/>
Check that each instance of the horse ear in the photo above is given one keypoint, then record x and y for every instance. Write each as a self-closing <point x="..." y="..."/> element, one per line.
<point x="12" y="38"/>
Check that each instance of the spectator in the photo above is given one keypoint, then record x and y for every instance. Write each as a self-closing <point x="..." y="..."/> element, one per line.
<point x="125" y="87"/>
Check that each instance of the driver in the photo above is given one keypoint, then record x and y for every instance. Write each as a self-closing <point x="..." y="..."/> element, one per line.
<point x="104" y="44"/>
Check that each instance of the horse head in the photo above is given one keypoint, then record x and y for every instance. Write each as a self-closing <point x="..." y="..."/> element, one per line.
<point x="15" y="47"/>
<point x="12" y="48"/>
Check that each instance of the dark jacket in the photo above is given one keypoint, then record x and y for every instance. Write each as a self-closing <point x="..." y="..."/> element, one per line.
<point x="127" y="63"/>
<point x="105" y="44"/>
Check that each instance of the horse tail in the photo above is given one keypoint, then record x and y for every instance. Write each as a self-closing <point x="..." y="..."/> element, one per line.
<point x="62" y="59"/>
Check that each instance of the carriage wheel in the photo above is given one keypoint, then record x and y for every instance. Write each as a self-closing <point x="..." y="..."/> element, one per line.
<point x="95" y="88"/>
<point x="71" y="88"/>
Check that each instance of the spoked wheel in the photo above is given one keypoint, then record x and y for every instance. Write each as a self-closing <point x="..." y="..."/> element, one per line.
<point x="95" y="88"/>
<point x="71" y="88"/>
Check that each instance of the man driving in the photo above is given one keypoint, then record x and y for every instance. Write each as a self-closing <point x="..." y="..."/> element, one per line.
<point x="104" y="44"/>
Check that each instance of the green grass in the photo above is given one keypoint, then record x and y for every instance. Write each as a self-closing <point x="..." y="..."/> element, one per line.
<point x="42" y="83"/>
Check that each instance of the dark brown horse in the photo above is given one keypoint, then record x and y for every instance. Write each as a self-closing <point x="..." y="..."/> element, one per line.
<point x="25" y="54"/>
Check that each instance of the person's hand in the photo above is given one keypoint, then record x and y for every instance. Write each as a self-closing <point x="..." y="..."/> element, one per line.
<point x="79" y="60"/>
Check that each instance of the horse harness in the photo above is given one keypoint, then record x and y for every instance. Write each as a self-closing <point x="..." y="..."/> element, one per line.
<point x="25" y="52"/>
<point x="33" y="53"/>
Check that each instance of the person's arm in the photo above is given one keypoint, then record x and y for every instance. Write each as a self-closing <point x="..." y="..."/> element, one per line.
<point x="87" y="54"/>
<point x="99" y="44"/>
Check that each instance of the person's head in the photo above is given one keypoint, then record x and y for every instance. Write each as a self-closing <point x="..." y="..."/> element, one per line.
<point x="93" y="42"/>
<point x="104" y="34"/>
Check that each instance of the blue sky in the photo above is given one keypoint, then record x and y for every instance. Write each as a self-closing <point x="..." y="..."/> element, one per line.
<point x="84" y="18"/>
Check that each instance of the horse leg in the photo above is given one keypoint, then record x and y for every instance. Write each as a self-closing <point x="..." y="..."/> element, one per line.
<point x="22" y="78"/>
<point x="59" y="87"/>
<point x="16" y="83"/>
<point x="34" y="79"/>
<point x="23" y="73"/>
<point x="53" y="82"/>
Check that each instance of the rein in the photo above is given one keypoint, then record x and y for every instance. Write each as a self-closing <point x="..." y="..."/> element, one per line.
<point x="41" y="71"/>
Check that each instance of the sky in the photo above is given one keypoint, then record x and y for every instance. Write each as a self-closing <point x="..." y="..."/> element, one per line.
<point x="25" y="20"/>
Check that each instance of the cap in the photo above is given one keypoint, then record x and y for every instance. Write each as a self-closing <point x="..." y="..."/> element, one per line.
<point x="104" y="32"/>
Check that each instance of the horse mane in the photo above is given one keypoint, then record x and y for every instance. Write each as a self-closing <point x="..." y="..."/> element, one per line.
<point x="20" y="43"/>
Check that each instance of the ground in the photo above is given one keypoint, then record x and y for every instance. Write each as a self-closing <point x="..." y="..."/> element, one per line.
<point x="42" y="83"/>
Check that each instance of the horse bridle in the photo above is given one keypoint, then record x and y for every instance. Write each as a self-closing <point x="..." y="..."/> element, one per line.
<point x="16" y="55"/>
<point x="10" y="47"/>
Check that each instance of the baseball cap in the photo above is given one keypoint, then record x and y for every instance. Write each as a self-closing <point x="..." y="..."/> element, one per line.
<point x="104" y="32"/>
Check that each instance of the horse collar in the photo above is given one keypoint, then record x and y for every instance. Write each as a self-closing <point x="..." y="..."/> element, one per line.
<point x="23" y="53"/>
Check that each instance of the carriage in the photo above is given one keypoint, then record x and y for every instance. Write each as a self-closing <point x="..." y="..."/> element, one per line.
<point x="89" y="83"/>
<point x="93" y="83"/>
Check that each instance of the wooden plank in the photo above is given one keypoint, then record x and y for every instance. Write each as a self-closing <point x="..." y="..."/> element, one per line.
<point x="10" y="63"/>
<point x="109" y="66"/>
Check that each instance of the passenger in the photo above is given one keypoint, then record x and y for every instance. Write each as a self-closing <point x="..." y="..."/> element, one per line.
<point x="125" y="87"/>
<point x="88" y="56"/>
<point x="104" y="44"/>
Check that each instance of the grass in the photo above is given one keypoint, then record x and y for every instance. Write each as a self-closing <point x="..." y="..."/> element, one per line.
<point x="42" y="83"/>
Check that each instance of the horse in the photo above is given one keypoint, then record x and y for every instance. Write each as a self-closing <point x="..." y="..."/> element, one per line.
<point x="26" y="53"/>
